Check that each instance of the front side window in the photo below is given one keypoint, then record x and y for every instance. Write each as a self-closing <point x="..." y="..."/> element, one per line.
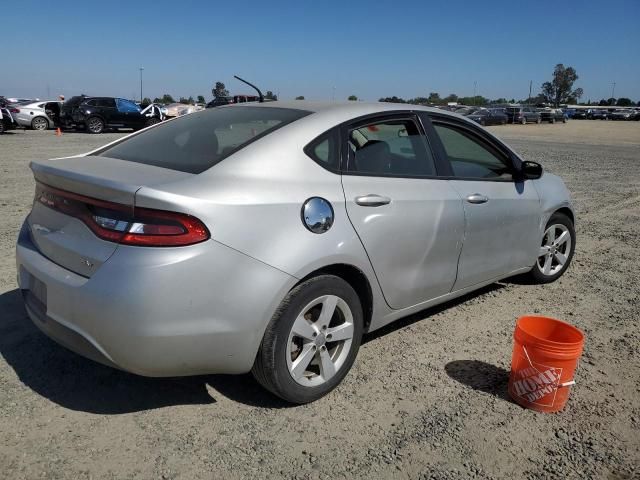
<point x="470" y="157"/>
<point x="193" y="143"/>
<point x="126" y="106"/>
<point x="392" y="147"/>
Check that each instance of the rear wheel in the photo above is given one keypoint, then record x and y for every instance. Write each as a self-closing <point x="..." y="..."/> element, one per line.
<point x="312" y="340"/>
<point x="95" y="125"/>
<point x="556" y="249"/>
<point x="39" y="123"/>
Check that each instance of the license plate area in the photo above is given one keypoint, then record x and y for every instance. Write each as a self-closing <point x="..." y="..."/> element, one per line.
<point x="35" y="293"/>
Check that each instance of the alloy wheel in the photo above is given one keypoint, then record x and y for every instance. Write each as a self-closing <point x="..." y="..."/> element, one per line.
<point x="320" y="340"/>
<point x="555" y="250"/>
<point x="39" y="123"/>
<point x="95" y="125"/>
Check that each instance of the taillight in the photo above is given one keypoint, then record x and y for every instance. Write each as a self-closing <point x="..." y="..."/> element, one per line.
<point x="119" y="223"/>
<point x="14" y="110"/>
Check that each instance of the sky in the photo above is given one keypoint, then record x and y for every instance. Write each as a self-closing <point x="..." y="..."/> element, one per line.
<point x="319" y="49"/>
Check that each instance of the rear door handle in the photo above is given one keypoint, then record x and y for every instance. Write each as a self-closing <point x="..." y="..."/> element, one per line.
<point x="477" y="198"/>
<point x="372" y="200"/>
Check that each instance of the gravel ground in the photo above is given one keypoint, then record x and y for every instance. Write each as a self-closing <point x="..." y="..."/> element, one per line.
<point x="425" y="399"/>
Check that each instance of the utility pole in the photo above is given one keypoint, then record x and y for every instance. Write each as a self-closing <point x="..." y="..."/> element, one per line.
<point x="141" y="69"/>
<point x="333" y="95"/>
<point x="475" y="85"/>
<point x="530" y="85"/>
<point x="613" y="90"/>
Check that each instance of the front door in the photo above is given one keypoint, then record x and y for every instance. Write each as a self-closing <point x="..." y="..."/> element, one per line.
<point x="410" y="222"/>
<point x="502" y="215"/>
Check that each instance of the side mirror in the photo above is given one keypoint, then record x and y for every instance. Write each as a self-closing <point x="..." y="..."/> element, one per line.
<point x="531" y="170"/>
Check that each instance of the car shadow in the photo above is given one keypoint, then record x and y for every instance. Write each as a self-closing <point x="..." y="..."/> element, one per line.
<point x="480" y="376"/>
<point x="77" y="383"/>
<point x="422" y="314"/>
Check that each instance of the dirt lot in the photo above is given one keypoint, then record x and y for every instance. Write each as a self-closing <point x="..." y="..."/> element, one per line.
<point x="426" y="398"/>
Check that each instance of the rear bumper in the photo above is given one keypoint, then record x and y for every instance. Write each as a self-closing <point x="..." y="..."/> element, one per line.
<point x="156" y="312"/>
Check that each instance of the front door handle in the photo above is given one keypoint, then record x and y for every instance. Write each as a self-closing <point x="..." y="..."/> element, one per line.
<point x="372" y="200"/>
<point x="477" y="198"/>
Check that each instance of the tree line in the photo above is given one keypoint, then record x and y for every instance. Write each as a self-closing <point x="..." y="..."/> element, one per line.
<point x="559" y="90"/>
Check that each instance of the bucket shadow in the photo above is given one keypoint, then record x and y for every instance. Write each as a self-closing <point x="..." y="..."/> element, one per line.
<point x="480" y="376"/>
<point x="77" y="383"/>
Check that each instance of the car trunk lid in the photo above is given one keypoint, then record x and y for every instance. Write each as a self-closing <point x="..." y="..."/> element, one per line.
<point x="72" y="192"/>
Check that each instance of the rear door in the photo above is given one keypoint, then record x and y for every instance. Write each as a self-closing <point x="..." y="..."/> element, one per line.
<point x="502" y="215"/>
<point x="409" y="221"/>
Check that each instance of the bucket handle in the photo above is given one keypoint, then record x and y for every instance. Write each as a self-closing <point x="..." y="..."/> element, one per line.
<point x="564" y="384"/>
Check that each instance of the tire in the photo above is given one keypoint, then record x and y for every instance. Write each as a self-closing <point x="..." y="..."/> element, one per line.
<point x="564" y="120"/>
<point x="94" y="125"/>
<point x="1" y="127"/>
<point x="523" y="120"/>
<point x="557" y="264"/>
<point x="152" y="121"/>
<point x="539" y="120"/>
<point x="275" y="367"/>
<point x="40" y="123"/>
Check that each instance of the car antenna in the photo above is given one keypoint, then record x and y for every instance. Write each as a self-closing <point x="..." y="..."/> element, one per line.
<point x="253" y="86"/>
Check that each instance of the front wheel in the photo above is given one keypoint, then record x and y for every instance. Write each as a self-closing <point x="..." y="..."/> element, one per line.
<point x="556" y="250"/>
<point x="312" y="340"/>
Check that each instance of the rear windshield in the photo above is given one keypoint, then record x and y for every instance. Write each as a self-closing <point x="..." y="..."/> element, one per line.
<point x="195" y="142"/>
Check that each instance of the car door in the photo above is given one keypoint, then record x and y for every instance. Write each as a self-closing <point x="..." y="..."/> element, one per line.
<point x="129" y="115"/>
<point x="502" y="213"/>
<point x="409" y="221"/>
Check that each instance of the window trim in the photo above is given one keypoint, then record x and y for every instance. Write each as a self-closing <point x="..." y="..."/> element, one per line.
<point x="381" y="117"/>
<point x="493" y="146"/>
<point x="308" y="149"/>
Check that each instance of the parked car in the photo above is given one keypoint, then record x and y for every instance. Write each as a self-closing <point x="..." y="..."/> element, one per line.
<point x="219" y="101"/>
<point x="38" y="115"/>
<point x="7" y="121"/>
<point x="622" y="114"/>
<point x="522" y="115"/>
<point x="144" y="254"/>
<point x="179" y="109"/>
<point x="598" y="114"/>
<point x="580" y="115"/>
<point x="552" y="115"/>
<point x="569" y="112"/>
<point x="488" y="116"/>
<point x="97" y="114"/>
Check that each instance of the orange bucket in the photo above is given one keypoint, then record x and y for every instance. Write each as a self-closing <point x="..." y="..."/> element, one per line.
<point x="545" y="356"/>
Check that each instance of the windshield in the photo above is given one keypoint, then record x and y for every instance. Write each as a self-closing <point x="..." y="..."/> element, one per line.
<point x="193" y="143"/>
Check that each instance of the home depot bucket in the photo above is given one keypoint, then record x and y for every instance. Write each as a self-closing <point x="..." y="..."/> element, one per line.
<point x="545" y="356"/>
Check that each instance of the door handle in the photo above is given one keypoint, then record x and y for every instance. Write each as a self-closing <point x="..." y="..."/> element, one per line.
<point x="477" y="198"/>
<point x="372" y="200"/>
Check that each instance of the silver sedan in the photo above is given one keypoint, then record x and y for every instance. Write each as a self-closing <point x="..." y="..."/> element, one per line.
<point x="270" y="237"/>
<point x="37" y="115"/>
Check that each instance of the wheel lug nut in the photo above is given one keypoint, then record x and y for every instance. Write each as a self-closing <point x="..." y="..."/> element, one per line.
<point x="315" y="334"/>
<point x="324" y="327"/>
<point x="329" y="337"/>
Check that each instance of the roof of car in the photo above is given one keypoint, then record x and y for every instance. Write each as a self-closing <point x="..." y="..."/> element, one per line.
<point x="342" y="107"/>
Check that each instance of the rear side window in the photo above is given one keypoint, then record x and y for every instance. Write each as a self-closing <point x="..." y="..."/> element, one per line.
<point x="391" y="147"/>
<point x="324" y="150"/>
<point x="470" y="157"/>
<point x="193" y="143"/>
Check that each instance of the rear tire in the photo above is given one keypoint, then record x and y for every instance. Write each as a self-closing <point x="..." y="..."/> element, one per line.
<point x="311" y="341"/>
<point x="95" y="125"/>
<point x="40" y="123"/>
<point x="558" y="244"/>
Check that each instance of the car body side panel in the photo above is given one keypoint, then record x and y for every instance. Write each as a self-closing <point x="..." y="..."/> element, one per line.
<point x="166" y="314"/>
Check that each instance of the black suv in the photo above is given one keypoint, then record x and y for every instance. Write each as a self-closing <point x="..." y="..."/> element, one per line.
<point x="96" y="114"/>
<point x="522" y="115"/>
